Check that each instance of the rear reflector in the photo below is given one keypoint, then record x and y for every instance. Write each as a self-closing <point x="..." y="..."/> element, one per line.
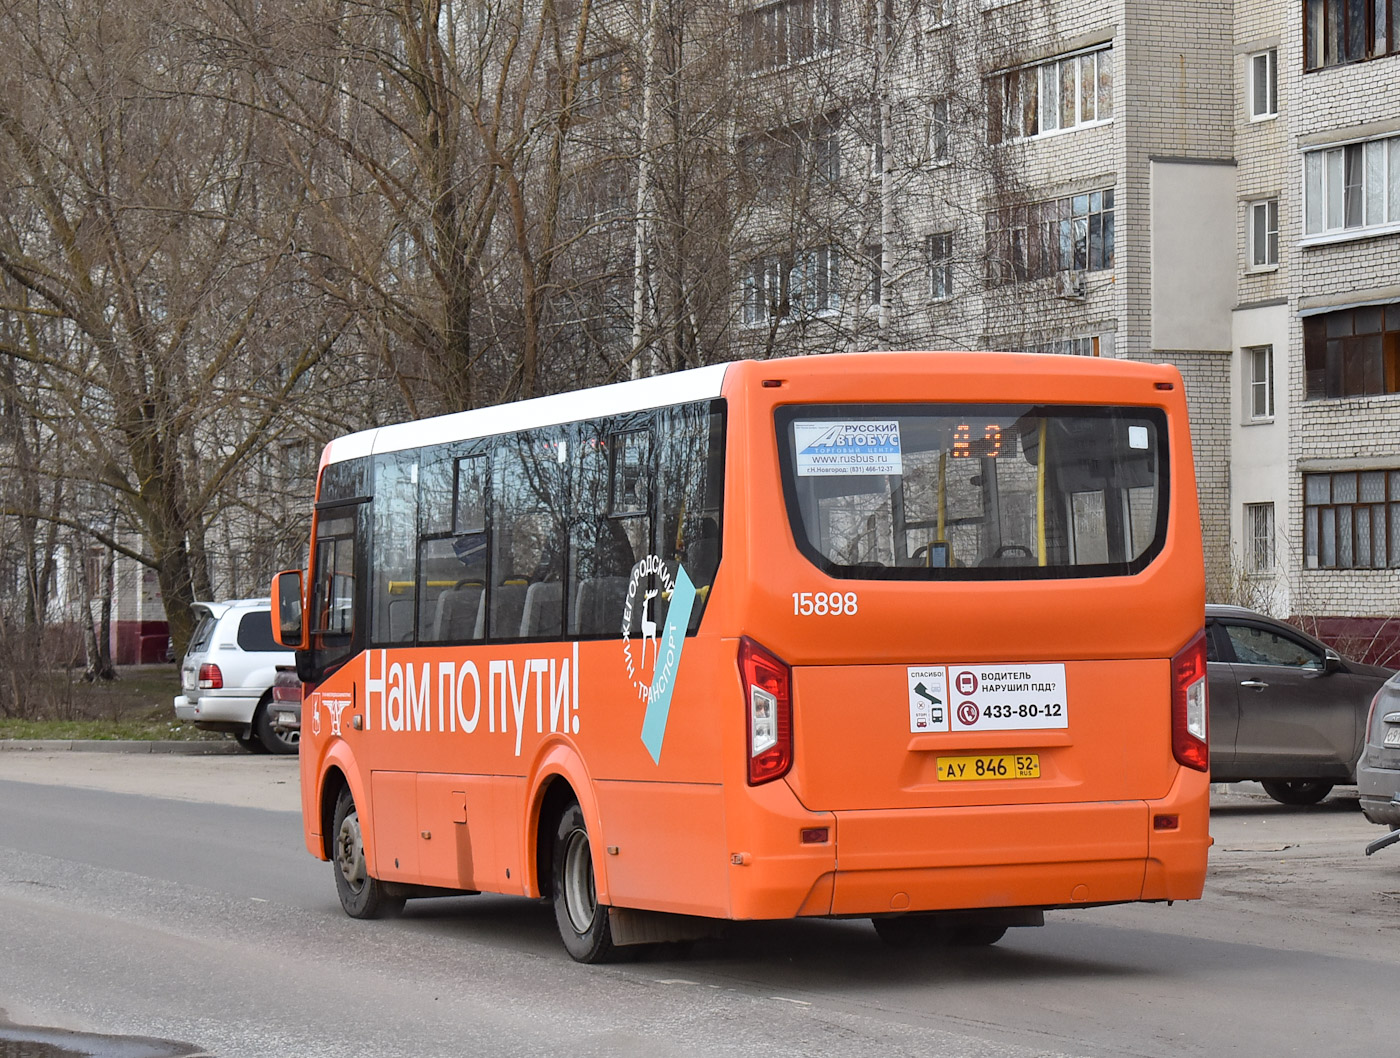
<point x="816" y="835"/>
<point x="210" y="678"/>
<point x="1190" y="743"/>
<point x="768" y="693"/>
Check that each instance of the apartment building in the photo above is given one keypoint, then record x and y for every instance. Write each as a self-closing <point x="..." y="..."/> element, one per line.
<point x="1209" y="183"/>
<point x="1315" y="483"/>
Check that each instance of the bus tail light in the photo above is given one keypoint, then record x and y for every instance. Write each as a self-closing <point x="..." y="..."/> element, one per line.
<point x="768" y="693"/>
<point x="210" y="678"/>
<point x="1190" y="744"/>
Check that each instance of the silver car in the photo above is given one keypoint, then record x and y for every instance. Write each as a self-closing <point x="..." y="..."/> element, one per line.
<point x="1378" y="771"/>
<point x="1285" y="710"/>
<point x="228" y="671"/>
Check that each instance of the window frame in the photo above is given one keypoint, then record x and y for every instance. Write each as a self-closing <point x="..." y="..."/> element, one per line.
<point x="1021" y="246"/>
<point x="1269" y="110"/>
<point x="1344" y="515"/>
<point x="1316" y="21"/>
<point x="788" y="275"/>
<point x="1254" y="385"/>
<point x="1321" y="200"/>
<point x="1333" y="361"/>
<point x="1028" y="84"/>
<point x="938" y="248"/>
<point x="1268" y="249"/>
<point x="1260" y="547"/>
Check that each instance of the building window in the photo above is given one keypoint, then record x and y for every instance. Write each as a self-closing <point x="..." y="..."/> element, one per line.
<point x="1353" y="186"/>
<point x="940" y="265"/>
<point x="1340" y="31"/>
<point x="1259" y="376"/>
<point x="789" y="32"/>
<point x="808" y="154"/>
<point x="937" y="13"/>
<point x="603" y="85"/>
<point x="1072" y="234"/>
<point x="1083" y="345"/>
<point x="1064" y="93"/>
<point x="1259" y="537"/>
<point x="874" y="262"/>
<point x="1263" y="85"/>
<point x="1352" y="353"/>
<point x="938" y="132"/>
<point x="807" y="284"/>
<point x="1351" y="520"/>
<point x="1263" y="234"/>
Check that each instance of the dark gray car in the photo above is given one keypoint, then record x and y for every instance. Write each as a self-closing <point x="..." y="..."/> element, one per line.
<point x="1285" y="710"/>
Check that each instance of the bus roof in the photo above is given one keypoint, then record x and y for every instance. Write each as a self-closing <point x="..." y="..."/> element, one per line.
<point x="657" y="391"/>
<point x="704" y="383"/>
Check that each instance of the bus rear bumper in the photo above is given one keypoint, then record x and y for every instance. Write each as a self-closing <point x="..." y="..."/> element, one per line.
<point x="1059" y="855"/>
<point x="1052" y="855"/>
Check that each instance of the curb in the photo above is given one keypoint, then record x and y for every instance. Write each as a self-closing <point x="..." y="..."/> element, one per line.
<point x="173" y="747"/>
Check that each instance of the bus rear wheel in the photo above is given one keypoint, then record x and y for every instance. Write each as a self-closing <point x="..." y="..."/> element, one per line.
<point x="583" y="923"/>
<point x="361" y="895"/>
<point x="932" y="931"/>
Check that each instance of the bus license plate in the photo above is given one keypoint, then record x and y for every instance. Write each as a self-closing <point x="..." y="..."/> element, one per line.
<point x="992" y="766"/>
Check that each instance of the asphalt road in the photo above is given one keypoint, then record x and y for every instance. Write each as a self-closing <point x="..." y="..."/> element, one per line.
<point x="145" y="896"/>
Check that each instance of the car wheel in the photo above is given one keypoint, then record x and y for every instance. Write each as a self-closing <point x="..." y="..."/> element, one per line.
<point x="272" y="740"/>
<point x="583" y="923"/>
<point x="934" y="931"/>
<point x="1297" y="791"/>
<point x="361" y="895"/>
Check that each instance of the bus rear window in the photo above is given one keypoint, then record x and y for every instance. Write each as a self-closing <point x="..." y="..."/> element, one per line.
<point x="940" y="491"/>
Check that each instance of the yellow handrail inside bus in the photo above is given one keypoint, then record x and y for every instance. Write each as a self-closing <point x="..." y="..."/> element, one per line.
<point x="1040" y="497"/>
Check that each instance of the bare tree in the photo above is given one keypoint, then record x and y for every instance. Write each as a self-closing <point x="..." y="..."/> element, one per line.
<point x="144" y="228"/>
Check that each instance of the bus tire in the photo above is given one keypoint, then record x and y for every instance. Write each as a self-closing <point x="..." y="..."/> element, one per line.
<point x="361" y="895"/>
<point x="936" y="931"/>
<point x="1297" y="791"/>
<point x="584" y="925"/>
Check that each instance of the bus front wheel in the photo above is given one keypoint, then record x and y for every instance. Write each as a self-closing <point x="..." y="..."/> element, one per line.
<point x="361" y="895"/>
<point x="583" y="923"/>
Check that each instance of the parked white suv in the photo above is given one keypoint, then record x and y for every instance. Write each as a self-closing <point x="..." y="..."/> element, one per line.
<point x="228" y="671"/>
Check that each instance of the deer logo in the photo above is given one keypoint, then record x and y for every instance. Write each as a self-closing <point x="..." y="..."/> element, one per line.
<point x="648" y="627"/>
<point x="649" y="579"/>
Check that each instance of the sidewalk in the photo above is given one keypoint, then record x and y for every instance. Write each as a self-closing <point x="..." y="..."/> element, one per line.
<point x="191" y="748"/>
<point x="231" y="777"/>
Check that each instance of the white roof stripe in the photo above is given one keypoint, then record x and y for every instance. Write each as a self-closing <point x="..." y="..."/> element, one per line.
<point x="658" y="391"/>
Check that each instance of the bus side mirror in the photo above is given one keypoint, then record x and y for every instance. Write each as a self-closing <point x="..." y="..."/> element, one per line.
<point x="290" y="629"/>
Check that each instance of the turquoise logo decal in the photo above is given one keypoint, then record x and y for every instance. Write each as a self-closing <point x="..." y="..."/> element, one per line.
<point x="668" y="661"/>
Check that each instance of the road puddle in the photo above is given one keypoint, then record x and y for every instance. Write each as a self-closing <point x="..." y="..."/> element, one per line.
<point x="25" y="1041"/>
<point x="28" y="1049"/>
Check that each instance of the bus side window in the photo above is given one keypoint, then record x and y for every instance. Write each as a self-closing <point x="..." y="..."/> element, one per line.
<point x="394" y="548"/>
<point x="333" y="601"/>
<point x="452" y="569"/>
<point x="529" y="528"/>
<point x="689" y="494"/>
<point x="611" y="507"/>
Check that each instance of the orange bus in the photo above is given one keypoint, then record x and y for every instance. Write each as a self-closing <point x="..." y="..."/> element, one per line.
<point x="911" y="636"/>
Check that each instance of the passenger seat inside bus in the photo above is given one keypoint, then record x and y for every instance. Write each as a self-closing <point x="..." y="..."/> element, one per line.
<point x="458" y="613"/>
<point x="544" y="604"/>
<point x="599" y="604"/>
<point x="507" y="609"/>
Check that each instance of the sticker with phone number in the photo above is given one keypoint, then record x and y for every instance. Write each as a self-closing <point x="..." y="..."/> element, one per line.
<point x="990" y="766"/>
